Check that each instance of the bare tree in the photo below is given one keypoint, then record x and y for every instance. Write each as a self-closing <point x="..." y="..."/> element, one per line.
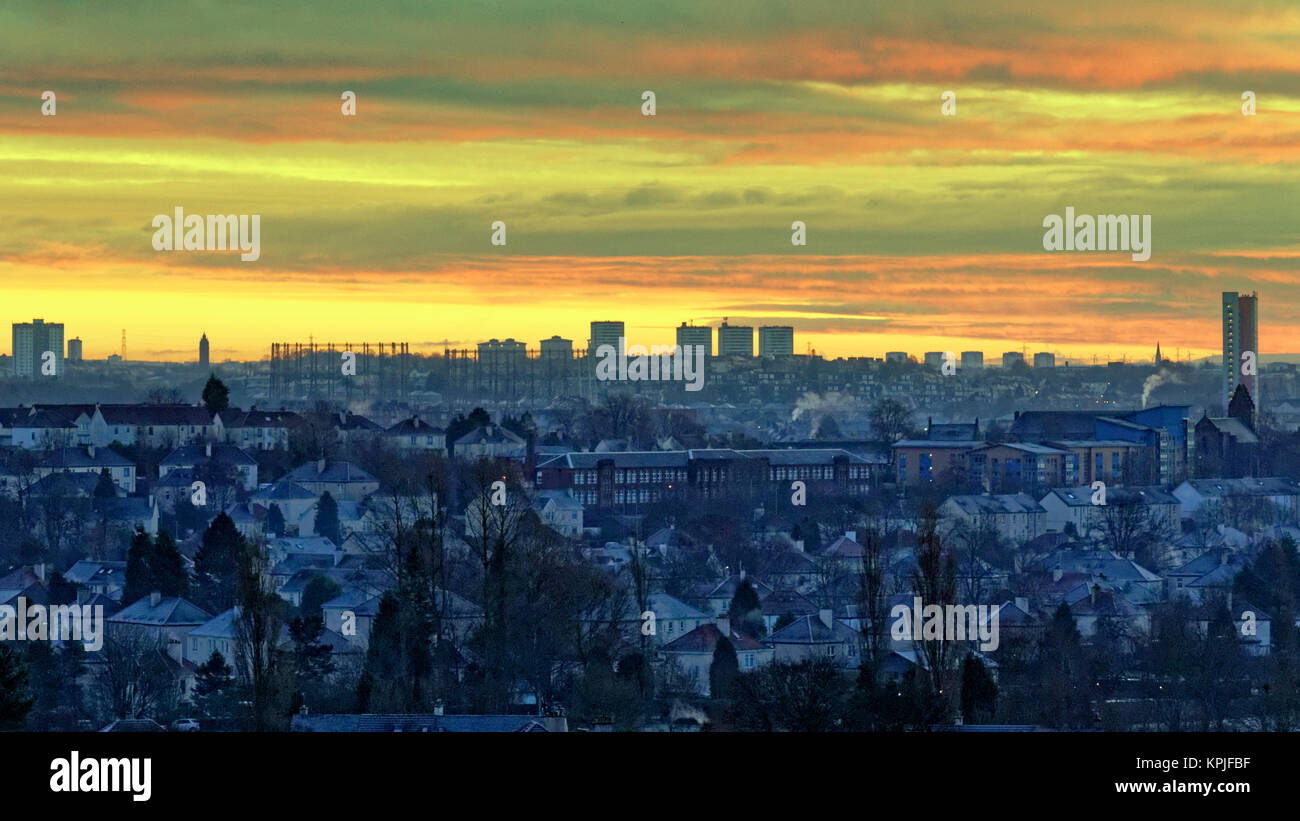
<point x="134" y="679"/>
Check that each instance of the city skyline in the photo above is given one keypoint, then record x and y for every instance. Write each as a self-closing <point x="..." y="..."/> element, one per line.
<point x="659" y="336"/>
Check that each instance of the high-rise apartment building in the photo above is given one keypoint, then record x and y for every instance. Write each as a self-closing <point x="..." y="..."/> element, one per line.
<point x="74" y="349"/>
<point x="203" y="351"/>
<point x="697" y="336"/>
<point x="605" y="332"/>
<point x="776" y="340"/>
<point x="1044" y="360"/>
<point x="31" y="340"/>
<point x="1010" y="358"/>
<point x="556" y="348"/>
<point x="735" y="340"/>
<point x="1240" y="335"/>
<point x="972" y="359"/>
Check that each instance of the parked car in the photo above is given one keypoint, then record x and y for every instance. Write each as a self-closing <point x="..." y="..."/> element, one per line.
<point x="186" y="725"/>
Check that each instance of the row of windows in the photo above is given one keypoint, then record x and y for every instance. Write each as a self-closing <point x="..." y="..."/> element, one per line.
<point x="640" y="476"/>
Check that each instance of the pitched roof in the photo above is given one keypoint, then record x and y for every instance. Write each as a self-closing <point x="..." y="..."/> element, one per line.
<point x="665" y="606"/>
<point x="704" y="639"/>
<point x="811" y="629"/>
<point x="222" y="454"/>
<point x="414" y="426"/>
<point x="335" y="472"/>
<point x="144" y="415"/>
<point x="1234" y="428"/>
<point x="995" y="504"/>
<point x="284" y="489"/>
<point x="168" y="611"/>
<point x="490" y="435"/>
<point x="81" y="457"/>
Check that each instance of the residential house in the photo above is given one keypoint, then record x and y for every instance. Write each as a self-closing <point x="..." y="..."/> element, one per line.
<point x="209" y="459"/>
<point x="674" y="618"/>
<point x="560" y="511"/>
<point x="1016" y="517"/>
<point x="817" y="636"/>
<point x="342" y="480"/>
<point x="693" y="652"/>
<point x="413" y="435"/>
<point x="91" y="460"/>
<point x="164" y="620"/>
<point x="490" y="442"/>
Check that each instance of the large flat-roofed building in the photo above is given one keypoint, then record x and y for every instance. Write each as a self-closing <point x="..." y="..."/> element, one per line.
<point x="972" y="359"/>
<point x="605" y="332"/>
<point x="1044" y="360"/>
<point x="776" y="340"/>
<point x="696" y="336"/>
<point x="735" y="340"/>
<point x="556" y="348"/>
<point x="627" y="480"/>
<point x="31" y="340"/>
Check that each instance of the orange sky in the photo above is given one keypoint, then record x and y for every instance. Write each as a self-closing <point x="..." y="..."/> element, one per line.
<point x="924" y="231"/>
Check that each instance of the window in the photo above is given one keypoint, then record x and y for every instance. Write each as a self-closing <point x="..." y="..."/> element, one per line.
<point x="749" y="659"/>
<point x="1114" y="464"/>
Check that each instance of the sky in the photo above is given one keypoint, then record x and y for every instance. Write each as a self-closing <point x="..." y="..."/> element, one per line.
<point x="924" y="231"/>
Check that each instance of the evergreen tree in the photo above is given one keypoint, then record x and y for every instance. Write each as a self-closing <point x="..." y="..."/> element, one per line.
<point x="15" y="700"/>
<point x="213" y="685"/>
<point x="139" y="576"/>
<point x="311" y="656"/>
<point x="217" y="563"/>
<point x="53" y="677"/>
<point x="327" y="517"/>
<point x="724" y="672"/>
<point x="167" y="567"/>
<point x="746" y="611"/>
<point x="319" y="589"/>
<point x="105" y="488"/>
<point x="216" y="396"/>
<point x="275" y="521"/>
<point x="979" y="693"/>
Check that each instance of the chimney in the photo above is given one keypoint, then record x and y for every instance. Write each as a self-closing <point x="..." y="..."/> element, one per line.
<point x="302" y="711"/>
<point x="320" y="465"/>
<point x="798" y="545"/>
<point x="1022" y="603"/>
<point x="1092" y="597"/>
<point x="90" y="451"/>
<point x="851" y="535"/>
<point x="1223" y="556"/>
<point x="827" y="616"/>
<point x="38" y="570"/>
<point x="1056" y="574"/>
<point x="154" y="598"/>
<point x="724" y="624"/>
<point x="208" y="450"/>
<point x="438" y="707"/>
